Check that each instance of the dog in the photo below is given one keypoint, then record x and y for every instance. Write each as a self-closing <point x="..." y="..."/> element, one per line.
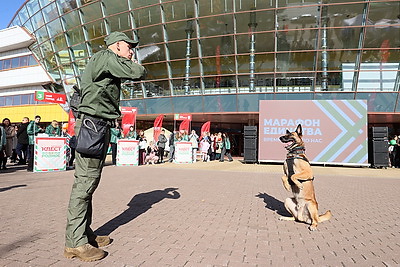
<point x="298" y="179"/>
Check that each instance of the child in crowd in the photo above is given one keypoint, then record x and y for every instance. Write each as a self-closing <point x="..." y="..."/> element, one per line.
<point x="205" y="146"/>
<point x="152" y="152"/>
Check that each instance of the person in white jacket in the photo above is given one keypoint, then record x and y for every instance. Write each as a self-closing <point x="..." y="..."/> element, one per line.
<point x="194" y="139"/>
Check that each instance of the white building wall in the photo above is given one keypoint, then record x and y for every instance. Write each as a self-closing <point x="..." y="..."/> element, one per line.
<point x="23" y="77"/>
<point x="21" y="90"/>
<point x="15" y="53"/>
<point x="15" y="38"/>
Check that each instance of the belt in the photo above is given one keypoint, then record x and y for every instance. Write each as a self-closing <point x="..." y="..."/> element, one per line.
<point x="98" y="120"/>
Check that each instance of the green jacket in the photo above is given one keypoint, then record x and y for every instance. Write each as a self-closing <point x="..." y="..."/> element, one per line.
<point x="101" y="83"/>
<point x="115" y="135"/>
<point x="51" y="131"/>
<point x="32" y="130"/>
<point x="227" y="143"/>
<point x="2" y="137"/>
<point x="131" y="135"/>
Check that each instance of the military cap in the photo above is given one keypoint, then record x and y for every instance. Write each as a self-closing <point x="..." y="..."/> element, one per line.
<point x="119" y="36"/>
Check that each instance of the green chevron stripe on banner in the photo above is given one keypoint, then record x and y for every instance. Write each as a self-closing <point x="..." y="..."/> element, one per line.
<point x="350" y="130"/>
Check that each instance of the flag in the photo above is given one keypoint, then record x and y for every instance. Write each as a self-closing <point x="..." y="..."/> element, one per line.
<point x="205" y="128"/>
<point x="128" y="120"/>
<point x="71" y="123"/>
<point x="158" y="127"/>
<point x="184" y="125"/>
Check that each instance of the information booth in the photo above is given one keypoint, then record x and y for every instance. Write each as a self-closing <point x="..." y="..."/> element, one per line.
<point x="50" y="154"/>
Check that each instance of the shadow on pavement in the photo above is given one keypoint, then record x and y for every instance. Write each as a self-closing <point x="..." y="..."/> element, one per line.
<point x="274" y="204"/>
<point x="13" y="168"/>
<point x="138" y="205"/>
<point x="12" y="187"/>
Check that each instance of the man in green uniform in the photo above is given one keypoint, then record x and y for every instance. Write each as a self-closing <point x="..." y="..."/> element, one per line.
<point x="100" y="92"/>
<point x="33" y="130"/>
<point x="53" y="129"/>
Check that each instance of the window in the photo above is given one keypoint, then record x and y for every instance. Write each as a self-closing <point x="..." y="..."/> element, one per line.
<point x="18" y="62"/>
<point x="16" y="100"/>
<point x="9" y="100"/>
<point x="6" y="64"/>
<point x="24" y="61"/>
<point x="32" y="61"/>
<point x="15" y="63"/>
<point x="24" y="99"/>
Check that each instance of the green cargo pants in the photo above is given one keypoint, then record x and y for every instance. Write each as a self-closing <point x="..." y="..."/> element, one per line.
<point x="87" y="178"/>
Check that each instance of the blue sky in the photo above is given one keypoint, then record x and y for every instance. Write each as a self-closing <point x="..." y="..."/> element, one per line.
<point x="8" y="9"/>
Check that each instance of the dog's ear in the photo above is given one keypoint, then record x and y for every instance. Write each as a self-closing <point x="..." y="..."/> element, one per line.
<point x="299" y="130"/>
<point x="287" y="131"/>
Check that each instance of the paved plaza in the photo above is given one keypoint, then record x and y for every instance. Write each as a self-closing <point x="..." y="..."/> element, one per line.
<point x="205" y="214"/>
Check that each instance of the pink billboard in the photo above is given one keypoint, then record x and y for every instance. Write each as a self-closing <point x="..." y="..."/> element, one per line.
<point x="334" y="131"/>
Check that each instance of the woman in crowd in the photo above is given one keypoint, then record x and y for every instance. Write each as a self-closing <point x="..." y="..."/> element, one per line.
<point x="142" y="146"/>
<point x="8" y="148"/>
<point x="194" y="139"/>
<point x="218" y="146"/>
<point x="205" y="147"/>
<point x="213" y="145"/>
<point x="226" y="148"/>
<point x="131" y="134"/>
<point x="14" y="156"/>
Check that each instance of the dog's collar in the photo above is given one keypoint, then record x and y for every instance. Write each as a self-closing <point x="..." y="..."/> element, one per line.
<point x="290" y="157"/>
<point x="297" y="153"/>
<point x="297" y="150"/>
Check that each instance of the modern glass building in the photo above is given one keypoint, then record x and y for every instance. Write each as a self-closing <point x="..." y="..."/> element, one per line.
<point x="216" y="59"/>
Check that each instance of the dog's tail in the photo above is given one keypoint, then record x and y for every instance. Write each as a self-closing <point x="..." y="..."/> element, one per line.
<point x="326" y="216"/>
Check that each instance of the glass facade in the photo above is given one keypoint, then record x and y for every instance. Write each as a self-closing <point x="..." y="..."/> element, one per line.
<point x="225" y="55"/>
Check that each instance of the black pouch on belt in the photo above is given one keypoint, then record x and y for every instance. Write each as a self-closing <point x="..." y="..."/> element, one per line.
<point x="91" y="137"/>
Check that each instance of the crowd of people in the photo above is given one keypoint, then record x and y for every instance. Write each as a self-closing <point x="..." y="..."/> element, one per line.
<point x="209" y="146"/>
<point x="17" y="141"/>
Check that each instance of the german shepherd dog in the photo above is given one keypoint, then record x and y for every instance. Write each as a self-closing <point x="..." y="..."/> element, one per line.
<point x="298" y="179"/>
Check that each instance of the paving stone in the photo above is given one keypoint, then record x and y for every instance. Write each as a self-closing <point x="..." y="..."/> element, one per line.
<point x="226" y="214"/>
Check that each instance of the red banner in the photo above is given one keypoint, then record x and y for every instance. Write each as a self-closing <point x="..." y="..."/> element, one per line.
<point x="158" y="126"/>
<point x="129" y="118"/>
<point x="181" y="117"/>
<point x="43" y="96"/>
<point x="185" y="125"/>
<point x="205" y="128"/>
<point x="71" y="123"/>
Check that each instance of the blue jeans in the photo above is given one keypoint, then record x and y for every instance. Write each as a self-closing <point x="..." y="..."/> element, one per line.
<point x="22" y="152"/>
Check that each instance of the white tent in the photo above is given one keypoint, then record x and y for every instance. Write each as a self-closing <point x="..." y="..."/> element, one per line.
<point x="149" y="133"/>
